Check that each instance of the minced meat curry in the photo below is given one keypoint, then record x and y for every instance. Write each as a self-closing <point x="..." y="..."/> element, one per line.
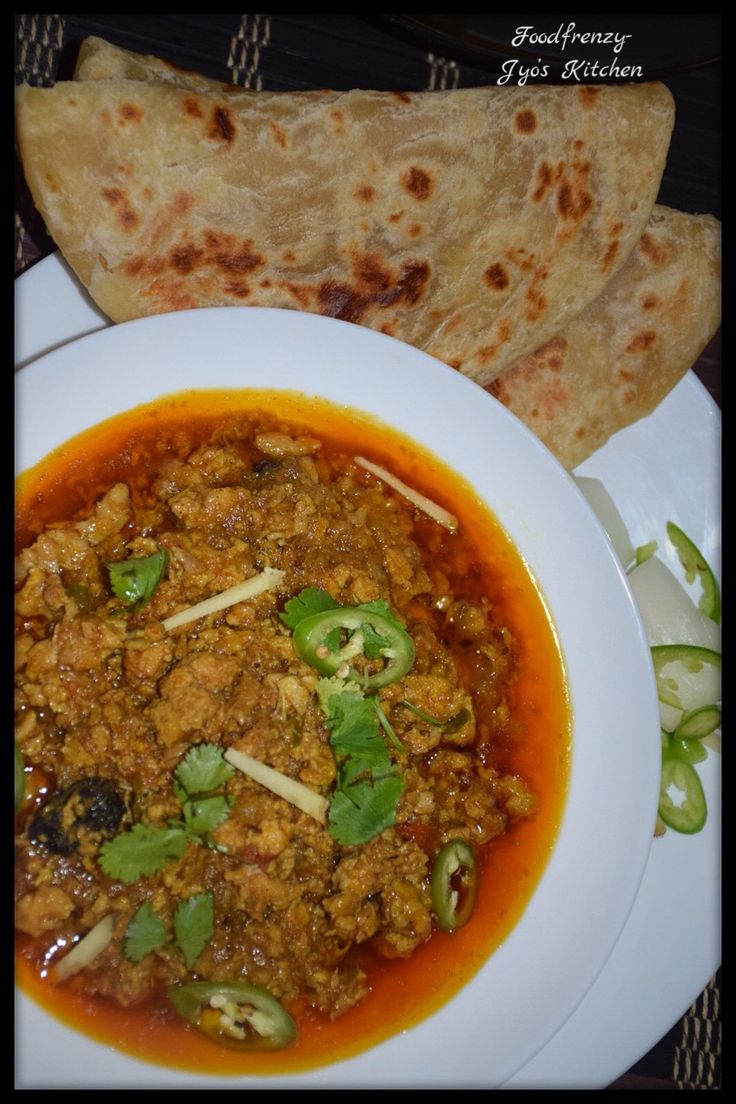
<point x="370" y="668"/>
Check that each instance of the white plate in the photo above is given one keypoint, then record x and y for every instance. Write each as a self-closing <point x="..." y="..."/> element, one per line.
<point x="665" y="467"/>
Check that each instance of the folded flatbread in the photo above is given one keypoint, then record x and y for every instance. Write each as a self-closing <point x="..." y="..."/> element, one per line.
<point x="473" y="224"/>
<point x="617" y="360"/>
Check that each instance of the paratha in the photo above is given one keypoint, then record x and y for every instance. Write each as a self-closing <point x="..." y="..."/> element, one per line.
<point x="618" y="359"/>
<point x="473" y="224"/>
<point x="615" y="362"/>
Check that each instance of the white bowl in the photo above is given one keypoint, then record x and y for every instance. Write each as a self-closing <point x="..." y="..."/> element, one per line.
<point x="532" y="983"/>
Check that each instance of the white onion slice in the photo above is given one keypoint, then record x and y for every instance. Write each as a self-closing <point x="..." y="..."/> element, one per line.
<point x="669" y="614"/>
<point x="607" y="513"/>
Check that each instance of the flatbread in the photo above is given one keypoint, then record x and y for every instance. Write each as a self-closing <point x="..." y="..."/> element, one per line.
<point x="618" y="359"/>
<point x="101" y="60"/>
<point x="473" y="223"/>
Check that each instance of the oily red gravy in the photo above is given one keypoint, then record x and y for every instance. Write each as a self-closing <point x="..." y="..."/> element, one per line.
<point x="345" y="936"/>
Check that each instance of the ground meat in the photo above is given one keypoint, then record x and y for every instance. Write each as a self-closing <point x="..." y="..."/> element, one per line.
<point x="105" y="691"/>
<point x="41" y="911"/>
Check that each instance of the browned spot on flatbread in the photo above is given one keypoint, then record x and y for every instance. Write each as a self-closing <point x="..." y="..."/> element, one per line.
<point x="588" y="94"/>
<point x="338" y="119"/>
<point x="535" y="299"/>
<point x="657" y="254"/>
<point x="171" y="295"/>
<point x="547" y="356"/>
<point x="496" y="277"/>
<point x="402" y="97"/>
<point x="288" y="256"/>
<point x="503" y="333"/>
<point x="129" y="113"/>
<point x="649" y="302"/>
<point x="237" y="288"/>
<point x="117" y="199"/>
<point x="417" y="182"/>
<point x="236" y="257"/>
<point x="641" y="341"/>
<point x="185" y="258"/>
<point x="499" y="390"/>
<point x="224" y="252"/>
<point x="374" y="285"/>
<point x="520" y="258"/>
<point x="279" y="135"/>
<point x="545" y="177"/>
<point x="609" y="255"/>
<point x="525" y="121"/>
<point x="364" y="192"/>
<point x="624" y="374"/>
<point x="573" y="199"/>
<point x="456" y="363"/>
<point x="302" y="295"/>
<point x="222" y="128"/>
<point x="396" y="216"/>
<point x="191" y="107"/>
<point x="266" y="283"/>
<point x="414" y="230"/>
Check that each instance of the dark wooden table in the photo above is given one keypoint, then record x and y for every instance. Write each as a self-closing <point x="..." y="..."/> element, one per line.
<point x="413" y="53"/>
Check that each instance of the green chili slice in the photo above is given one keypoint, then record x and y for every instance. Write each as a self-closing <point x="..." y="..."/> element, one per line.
<point x="681" y="747"/>
<point x="699" y="723"/>
<point x="235" y="1014"/>
<point x="680" y="780"/>
<point x="696" y="566"/>
<point x="329" y="641"/>
<point x="454" y="885"/>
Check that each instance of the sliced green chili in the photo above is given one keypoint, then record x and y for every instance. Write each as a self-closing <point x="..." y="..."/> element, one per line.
<point x="235" y="1014"/>
<point x="699" y="674"/>
<point x="318" y="640"/>
<point x="696" y="565"/>
<point x="680" y="780"/>
<point x="454" y="885"/>
<point x="699" y="723"/>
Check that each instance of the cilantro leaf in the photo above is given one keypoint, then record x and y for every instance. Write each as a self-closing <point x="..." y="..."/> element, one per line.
<point x="381" y="607"/>
<point x="194" y="923"/>
<point x="203" y="814"/>
<point x="374" y="645"/>
<point x="362" y="811"/>
<point x="144" y="933"/>
<point x="332" y="639"/>
<point x="203" y="769"/>
<point x="354" y="726"/>
<point x="368" y="784"/>
<point x="308" y="602"/>
<point x="333" y="687"/>
<point x="145" y="849"/>
<point x="134" y="581"/>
